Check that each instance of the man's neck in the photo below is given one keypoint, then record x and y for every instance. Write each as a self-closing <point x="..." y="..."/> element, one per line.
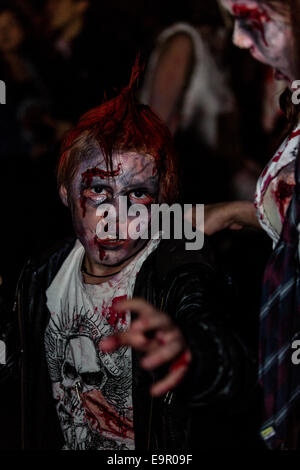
<point x="101" y="270"/>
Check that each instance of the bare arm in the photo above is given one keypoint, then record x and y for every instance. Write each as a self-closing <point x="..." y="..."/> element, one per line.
<point x="233" y="215"/>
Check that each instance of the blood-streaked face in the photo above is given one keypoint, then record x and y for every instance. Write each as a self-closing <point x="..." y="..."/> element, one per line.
<point x="266" y="33"/>
<point x="133" y="176"/>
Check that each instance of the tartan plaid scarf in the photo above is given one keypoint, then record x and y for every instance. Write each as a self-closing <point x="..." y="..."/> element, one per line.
<point x="280" y="327"/>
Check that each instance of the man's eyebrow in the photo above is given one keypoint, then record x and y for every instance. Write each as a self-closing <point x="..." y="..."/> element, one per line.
<point x="133" y="179"/>
<point x="93" y="172"/>
<point x="139" y="185"/>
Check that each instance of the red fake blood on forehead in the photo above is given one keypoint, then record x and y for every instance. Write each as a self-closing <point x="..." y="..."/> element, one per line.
<point x="87" y="178"/>
<point x="89" y="174"/>
<point x="257" y="18"/>
<point x="283" y="192"/>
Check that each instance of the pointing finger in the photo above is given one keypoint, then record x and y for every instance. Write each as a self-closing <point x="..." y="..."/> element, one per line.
<point x="139" y="306"/>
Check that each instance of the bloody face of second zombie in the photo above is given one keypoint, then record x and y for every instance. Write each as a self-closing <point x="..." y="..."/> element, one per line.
<point x="266" y="32"/>
<point x="132" y="176"/>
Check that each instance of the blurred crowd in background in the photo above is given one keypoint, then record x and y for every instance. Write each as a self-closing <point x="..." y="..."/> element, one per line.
<point x="59" y="58"/>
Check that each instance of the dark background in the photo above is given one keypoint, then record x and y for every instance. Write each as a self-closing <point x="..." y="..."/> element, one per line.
<point x="57" y="90"/>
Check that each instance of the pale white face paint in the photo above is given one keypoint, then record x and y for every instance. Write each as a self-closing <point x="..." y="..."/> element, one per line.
<point x="133" y="176"/>
<point x="266" y="33"/>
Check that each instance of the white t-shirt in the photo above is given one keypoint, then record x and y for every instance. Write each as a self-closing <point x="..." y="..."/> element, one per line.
<point x="92" y="390"/>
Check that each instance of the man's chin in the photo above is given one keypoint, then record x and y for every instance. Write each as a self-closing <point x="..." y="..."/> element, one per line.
<point x="115" y="257"/>
<point x="111" y="261"/>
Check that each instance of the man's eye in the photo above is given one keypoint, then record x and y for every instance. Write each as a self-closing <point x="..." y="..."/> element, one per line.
<point x="140" y="196"/>
<point x="96" y="193"/>
<point x="98" y="190"/>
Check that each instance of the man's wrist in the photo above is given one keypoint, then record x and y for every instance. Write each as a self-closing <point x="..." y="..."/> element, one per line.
<point x="244" y="213"/>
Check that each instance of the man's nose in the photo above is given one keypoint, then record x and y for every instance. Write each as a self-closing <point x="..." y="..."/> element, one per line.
<point x="241" y="38"/>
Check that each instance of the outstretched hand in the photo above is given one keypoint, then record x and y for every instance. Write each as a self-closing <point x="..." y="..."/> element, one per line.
<point x="153" y="333"/>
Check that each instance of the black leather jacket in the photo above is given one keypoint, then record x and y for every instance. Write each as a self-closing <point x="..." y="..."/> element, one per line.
<point x="182" y="283"/>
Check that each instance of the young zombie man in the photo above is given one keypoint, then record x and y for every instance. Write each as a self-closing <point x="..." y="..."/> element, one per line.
<point x="120" y="337"/>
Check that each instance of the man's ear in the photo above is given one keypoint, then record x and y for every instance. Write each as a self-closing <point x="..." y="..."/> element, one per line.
<point x="64" y="195"/>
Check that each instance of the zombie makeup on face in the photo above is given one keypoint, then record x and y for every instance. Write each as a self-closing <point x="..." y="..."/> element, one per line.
<point x="95" y="190"/>
<point x="132" y="176"/>
<point x="266" y="33"/>
<point x="88" y="188"/>
<point x="256" y="17"/>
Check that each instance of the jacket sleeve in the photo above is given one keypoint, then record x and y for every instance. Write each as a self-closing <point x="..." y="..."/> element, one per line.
<point x="9" y="342"/>
<point x="11" y="322"/>
<point x="222" y="368"/>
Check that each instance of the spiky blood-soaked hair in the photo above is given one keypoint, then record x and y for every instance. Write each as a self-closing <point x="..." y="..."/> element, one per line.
<point x="119" y="125"/>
